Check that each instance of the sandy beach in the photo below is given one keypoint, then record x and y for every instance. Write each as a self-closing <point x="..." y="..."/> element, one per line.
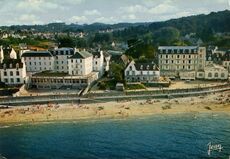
<point x="219" y="102"/>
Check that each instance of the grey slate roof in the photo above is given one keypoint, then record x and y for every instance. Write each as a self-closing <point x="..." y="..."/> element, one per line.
<point x="37" y="54"/>
<point x="12" y="62"/>
<point x="177" y="49"/>
<point x="81" y="55"/>
<point x="146" y="66"/>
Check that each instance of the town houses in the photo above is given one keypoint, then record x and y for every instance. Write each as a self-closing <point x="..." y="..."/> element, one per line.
<point x="142" y="72"/>
<point x="73" y="68"/>
<point x="12" y="70"/>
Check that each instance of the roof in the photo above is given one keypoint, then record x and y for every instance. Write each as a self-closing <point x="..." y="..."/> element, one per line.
<point x="178" y="49"/>
<point x="11" y="63"/>
<point x="106" y="54"/>
<point x="146" y="66"/>
<point x="37" y="54"/>
<point x="96" y="53"/>
<point x="64" y="49"/>
<point x="81" y="55"/>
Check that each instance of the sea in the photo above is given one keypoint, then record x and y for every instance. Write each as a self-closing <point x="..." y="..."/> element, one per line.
<point x="183" y="136"/>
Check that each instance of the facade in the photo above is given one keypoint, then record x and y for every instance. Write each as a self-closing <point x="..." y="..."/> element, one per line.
<point x="80" y="64"/>
<point x="13" y="72"/>
<point x="58" y="82"/>
<point x="215" y="72"/>
<point x="98" y="62"/>
<point x="181" y="61"/>
<point x="141" y="72"/>
<point x="61" y="58"/>
<point x="38" y="61"/>
<point x="226" y="60"/>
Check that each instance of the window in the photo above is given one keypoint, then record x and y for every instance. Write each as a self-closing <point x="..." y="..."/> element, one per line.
<point x="178" y="56"/>
<point x="5" y="73"/>
<point x="40" y="63"/>
<point x="189" y="61"/>
<point x="34" y="63"/>
<point x="96" y="62"/>
<point x="6" y="80"/>
<point x="130" y="67"/>
<point x="216" y="74"/>
<point x="222" y="75"/>
<point x="172" y="61"/>
<point x="17" y="65"/>
<point x="11" y="73"/>
<point x="56" y="62"/>
<point x="209" y="74"/>
<point x="166" y="61"/>
<point x="166" y="56"/>
<point x="30" y="63"/>
<point x="39" y="58"/>
<point x="12" y="80"/>
<point x="80" y="60"/>
<point x="17" y="73"/>
<point x="18" y="79"/>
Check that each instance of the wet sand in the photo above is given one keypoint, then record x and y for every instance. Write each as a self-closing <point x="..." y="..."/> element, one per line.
<point x="219" y="102"/>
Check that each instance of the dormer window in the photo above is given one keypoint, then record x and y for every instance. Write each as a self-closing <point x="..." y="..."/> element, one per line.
<point x="11" y="65"/>
<point x="141" y="67"/>
<point x="17" y="65"/>
<point x="4" y="66"/>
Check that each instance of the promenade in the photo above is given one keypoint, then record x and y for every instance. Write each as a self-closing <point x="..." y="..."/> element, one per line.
<point x="107" y="97"/>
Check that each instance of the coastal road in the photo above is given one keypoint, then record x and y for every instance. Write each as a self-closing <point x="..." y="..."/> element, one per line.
<point x="22" y="101"/>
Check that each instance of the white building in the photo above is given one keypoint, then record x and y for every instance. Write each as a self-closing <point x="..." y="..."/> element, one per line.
<point x="61" y="58"/>
<point x="38" y="61"/>
<point x="1" y="54"/>
<point x="81" y="63"/>
<point x="215" y="72"/>
<point x="13" y="72"/>
<point x="181" y="61"/>
<point x="141" y="72"/>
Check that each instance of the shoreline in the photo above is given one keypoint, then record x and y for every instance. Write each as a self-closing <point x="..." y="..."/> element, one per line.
<point x="53" y="112"/>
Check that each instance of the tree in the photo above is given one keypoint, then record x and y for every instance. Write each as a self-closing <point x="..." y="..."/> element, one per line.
<point x="166" y="36"/>
<point x="66" y="41"/>
<point x="117" y="71"/>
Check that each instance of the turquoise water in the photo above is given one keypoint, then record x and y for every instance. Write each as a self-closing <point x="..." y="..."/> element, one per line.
<point x="162" y="136"/>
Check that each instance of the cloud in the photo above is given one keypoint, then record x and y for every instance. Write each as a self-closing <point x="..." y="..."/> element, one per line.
<point x="129" y="16"/>
<point x="29" y="18"/>
<point x="93" y="12"/>
<point x="78" y="19"/>
<point x="108" y="20"/>
<point x="36" y="5"/>
<point x="105" y="11"/>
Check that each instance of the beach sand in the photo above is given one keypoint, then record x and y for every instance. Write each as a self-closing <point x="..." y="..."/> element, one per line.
<point x="218" y="102"/>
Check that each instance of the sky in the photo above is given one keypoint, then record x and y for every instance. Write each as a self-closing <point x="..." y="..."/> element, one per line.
<point x="18" y="12"/>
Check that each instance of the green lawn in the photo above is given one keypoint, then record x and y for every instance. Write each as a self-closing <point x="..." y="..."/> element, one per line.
<point x="134" y="86"/>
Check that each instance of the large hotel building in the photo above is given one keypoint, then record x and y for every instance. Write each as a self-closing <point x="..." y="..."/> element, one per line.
<point x="181" y="61"/>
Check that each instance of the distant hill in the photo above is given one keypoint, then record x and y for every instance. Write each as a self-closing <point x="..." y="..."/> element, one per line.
<point x="217" y="21"/>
